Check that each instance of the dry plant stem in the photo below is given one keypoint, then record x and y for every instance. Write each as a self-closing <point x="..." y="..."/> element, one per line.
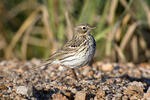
<point x="134" y="48"/>
<point x="69" y="26"/>
<point x="25" y="25"/>
<point x="38" y="30"/>
<point x="124" y="24"/>
<point x="25" y="43"/>
<point x="126" y="6"/>
<point x="20" y="32"/>
<point x="49" y="32"/>
<point x="3" y="43"/>
<point x="111" y="38"/>
<point x="111" y="34"/>
<point x="142" y="43"/>
<point x="21" y="7"/>
<point x="26" y="38"/>
<point x="126" y="19"/>
<point x="112" y="11"/>
<point x="147" y="10"/>
<point x="128" y="35"/>
<point x="120" y="54"/>
<point x="37" y="42"/>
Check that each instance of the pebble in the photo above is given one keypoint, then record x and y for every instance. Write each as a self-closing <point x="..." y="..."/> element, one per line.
<point x="24" y="90"/>
<point x="81" y="95"/>
<point x="107" y="67"/>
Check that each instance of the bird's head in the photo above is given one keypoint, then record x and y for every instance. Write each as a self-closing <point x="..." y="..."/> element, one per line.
<point x="83" y="29"/>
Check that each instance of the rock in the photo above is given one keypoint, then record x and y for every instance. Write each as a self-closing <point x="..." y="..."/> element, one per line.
<point x="147" y="95"/>
<point x="24" y="90"/>
<point x="81" y="95"/>
<point x="2" y="87"/>
<point x="58" y="97"/>
<point x="86" y="71"/>
<point x="134" y="90"/>
<point x="100" y="95"/>
<point x="107" y="67"/>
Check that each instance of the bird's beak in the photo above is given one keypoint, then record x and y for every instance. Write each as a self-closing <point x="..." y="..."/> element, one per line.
<point x="92" y="27"/>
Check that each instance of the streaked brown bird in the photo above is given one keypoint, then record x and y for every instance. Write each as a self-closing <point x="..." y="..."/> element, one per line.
<point x="77" y="52"/>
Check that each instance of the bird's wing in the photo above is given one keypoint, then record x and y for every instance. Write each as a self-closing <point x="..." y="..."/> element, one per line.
<point x="67" y="50"/>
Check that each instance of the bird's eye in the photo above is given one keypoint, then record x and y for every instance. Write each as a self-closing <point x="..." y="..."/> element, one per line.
<point x="84" y="28"/>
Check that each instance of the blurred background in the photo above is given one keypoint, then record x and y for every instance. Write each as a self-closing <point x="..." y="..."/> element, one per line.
<point x="36" y="28"/>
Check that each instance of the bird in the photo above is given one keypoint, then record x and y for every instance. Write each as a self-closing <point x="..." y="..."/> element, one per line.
<point x="77" y="52"/>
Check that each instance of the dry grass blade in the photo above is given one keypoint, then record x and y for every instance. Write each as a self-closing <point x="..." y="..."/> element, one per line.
<point x="128" y="35"/>
<point x="147" y="54"/>
<point x="142" y="43"/>
<point x="111" y="21"/>
<point x="112" y="11"/>
<point x="122" y="57"/>
<point x="38" y="30"/>
<point x="49" y="32"/>
<point x="147" y="10"/>
<point x="69" y="26"/>
<point x="124" y="23"/>
<point x="110" y="38"/>
<point x="26" y="38"/>
<point x="2" y="42"/>
<point x="126" y="19"/>
<point x="134" y="48"/>
<point x="21" y="7"/>
<point x="37" y="42"/>
<point x="127" y="6"/>
<point x="124" y="3"/>
<point x="20" y="32"/>
<point x="25" y="42"/>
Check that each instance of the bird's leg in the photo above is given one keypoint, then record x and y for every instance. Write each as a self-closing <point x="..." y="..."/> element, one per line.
<point x="74" y="74"/>
<point x="72" y="70"/>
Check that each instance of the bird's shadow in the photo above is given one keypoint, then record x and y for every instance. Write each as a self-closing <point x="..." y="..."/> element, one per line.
<point x="142" y="79"/>
<point x="44" y="94"/>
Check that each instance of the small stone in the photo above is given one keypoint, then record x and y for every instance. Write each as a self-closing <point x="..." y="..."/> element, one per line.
<point x="100" y="95"/>
<point x="92" y="87"/>
<point x="58" y="97"/>
<point x="86" y="71"/>
<point x="134" y="90"/>
<point x="90" y="74"/>
<point x="69" y="95"/>
<point x="107" y="67"/>
<point x="24" y="90"/>
<point x="2" y="87"/>
<point x="81" y="95"/>
<point x="147" y="95"/>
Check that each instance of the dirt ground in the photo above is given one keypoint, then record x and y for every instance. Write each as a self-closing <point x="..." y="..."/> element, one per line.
<point x="101" y="81"/>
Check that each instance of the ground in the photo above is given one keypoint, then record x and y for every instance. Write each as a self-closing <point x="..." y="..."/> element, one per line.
<point x="101" y="81"/>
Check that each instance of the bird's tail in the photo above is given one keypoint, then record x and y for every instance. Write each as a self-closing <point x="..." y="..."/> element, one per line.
<point x="41" y="66"/>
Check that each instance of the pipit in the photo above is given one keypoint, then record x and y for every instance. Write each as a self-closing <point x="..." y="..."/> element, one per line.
<point x="77" y="52"/>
